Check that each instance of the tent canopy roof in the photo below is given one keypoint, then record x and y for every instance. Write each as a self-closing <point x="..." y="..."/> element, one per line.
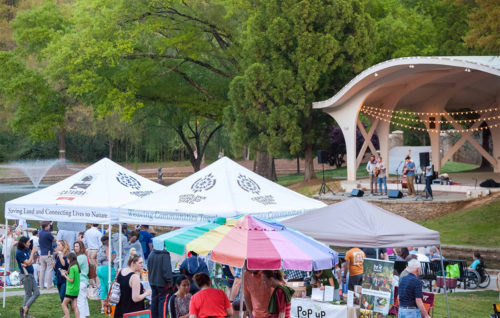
<point x="223" y="189"/>
<point x="93" y="195"/>
<point x="357" y="223"/>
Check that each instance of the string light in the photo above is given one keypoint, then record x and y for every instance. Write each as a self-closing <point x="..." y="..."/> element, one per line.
<point x="373" y="114"/>
<point x="458" y="121"/>
<point x="481" y="111"/>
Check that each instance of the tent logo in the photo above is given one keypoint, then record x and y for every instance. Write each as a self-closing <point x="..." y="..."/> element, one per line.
<point x="248" y="184"/>
<point x="128" y="181"/>
<point x="83" y="183"/>
<point x="204" y="184"/>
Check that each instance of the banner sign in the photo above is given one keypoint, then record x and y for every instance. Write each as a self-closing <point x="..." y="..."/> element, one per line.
<point x="376" y="288"/>
<point x="307" y="308"/>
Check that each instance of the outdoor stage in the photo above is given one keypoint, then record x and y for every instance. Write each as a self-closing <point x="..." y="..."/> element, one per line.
<point x="447" y="198"/>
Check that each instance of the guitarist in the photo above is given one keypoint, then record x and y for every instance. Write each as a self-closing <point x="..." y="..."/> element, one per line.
<point x="370" y="168"/>
<point x="410" y="169"/>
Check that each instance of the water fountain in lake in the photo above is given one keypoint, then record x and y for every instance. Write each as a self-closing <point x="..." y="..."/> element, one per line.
<point x="35" y="170"/>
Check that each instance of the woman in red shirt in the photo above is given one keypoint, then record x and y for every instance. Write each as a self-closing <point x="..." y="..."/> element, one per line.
<point x="208" y="302"/>
<point x="281" y="299"/>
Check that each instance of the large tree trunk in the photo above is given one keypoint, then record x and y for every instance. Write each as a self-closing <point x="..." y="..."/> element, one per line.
<point x="309" y="173"/>
<point x="110" y="149"/>
<point x="62" y="144"/>
<point x="264" y="165"/>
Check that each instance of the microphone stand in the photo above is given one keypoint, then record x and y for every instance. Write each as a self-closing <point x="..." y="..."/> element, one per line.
<point x="397" y="176"/>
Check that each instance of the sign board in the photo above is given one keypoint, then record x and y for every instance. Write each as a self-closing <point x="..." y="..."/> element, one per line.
<point x="307" y="308"/>
<point x="138" y="314"/>
<point x="376" y="288"/>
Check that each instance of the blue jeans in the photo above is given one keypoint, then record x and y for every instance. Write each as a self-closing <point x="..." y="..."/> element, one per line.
<point x="62" y="290"/>
<point x="409" y="313"/>
<point x="384" y="181"/>
<point x="428" y="181"/>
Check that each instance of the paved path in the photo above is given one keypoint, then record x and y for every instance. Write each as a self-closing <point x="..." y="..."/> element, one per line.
<point x="21" y="292"/>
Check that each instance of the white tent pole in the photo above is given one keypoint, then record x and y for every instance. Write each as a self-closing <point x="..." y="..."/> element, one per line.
<point x="444" y="278"/>
<point x="6" y="267"/>
<point x="242" y="312"/>
<point x="120" y="247"/>
<point x="110" y="247"/>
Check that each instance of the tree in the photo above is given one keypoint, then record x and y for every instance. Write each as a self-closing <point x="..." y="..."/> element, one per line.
<point x="295" y="53"/>
<point x="484" y="23"/>
<point x="173" y="58"/>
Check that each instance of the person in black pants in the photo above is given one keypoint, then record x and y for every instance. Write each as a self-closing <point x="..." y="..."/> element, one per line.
<point x="160" y="279"/>
<point x="429" y="174"/>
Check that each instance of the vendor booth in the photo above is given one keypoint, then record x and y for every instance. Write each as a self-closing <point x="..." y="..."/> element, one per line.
<point x="254" y="244"/>
<point x="357" y="223"/>
<point x="93" y="195"/>
<point x="223" y="189"/>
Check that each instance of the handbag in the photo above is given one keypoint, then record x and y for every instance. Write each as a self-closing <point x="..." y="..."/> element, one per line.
<point x="113" y="298"/>
<point x="92" y="269"/>
<point x="93" y="293"/>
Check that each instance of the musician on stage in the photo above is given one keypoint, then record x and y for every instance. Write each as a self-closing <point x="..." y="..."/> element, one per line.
<point x="409" y="170"/>
<point x="370" y="167"/>
<point x="429" y="174"/>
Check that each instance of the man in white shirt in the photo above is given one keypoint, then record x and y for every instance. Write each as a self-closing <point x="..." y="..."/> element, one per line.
<point x="92" y="240"/>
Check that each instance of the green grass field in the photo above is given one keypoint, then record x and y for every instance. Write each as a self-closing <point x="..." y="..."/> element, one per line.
<point x="46" y="306"/>
<point x="467" y="304"/>
<point x="451" y="166"/>
<point x="476" y="227"/>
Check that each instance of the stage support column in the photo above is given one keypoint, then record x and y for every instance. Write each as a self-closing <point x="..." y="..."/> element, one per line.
<point x="383" y="129"/>
<point x="435" y="139"/>
<point x="346" y="117"/>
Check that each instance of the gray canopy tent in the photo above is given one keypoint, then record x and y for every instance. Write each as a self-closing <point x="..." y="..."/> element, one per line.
<point x="355" y="222"/>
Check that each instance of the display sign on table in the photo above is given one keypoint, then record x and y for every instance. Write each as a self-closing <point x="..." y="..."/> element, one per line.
<point x="376" y="288"/>
<point x="307" y="308"/>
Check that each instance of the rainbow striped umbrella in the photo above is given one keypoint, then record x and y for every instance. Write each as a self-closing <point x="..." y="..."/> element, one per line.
<point x="262" y="244"/>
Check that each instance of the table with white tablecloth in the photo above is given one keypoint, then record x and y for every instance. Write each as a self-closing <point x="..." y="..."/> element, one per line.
<point x="307" y="308"/>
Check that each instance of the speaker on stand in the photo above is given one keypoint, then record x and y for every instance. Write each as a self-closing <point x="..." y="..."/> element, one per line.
<point x="424" y="158"/>
<point x="322" y="159"/>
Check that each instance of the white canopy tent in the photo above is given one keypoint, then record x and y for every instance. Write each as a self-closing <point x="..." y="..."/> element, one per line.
<point x="93" y="195"/>
<point x="357" y="223"/>
<point x="223" y="189"/>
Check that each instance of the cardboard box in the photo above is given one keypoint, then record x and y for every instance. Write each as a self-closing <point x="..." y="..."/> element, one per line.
<point x="299" y="287"/>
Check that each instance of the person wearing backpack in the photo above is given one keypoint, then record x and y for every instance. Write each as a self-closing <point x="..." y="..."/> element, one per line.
<point x="72" y="286"/>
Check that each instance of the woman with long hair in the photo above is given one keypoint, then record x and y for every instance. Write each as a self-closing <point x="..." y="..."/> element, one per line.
<point x="178" y="306"/>
<point x="208" y="302"/>
<point x="132" y="294"/>
<point x="61" y="263"/>
<point x="281" y="299"/>
<point x="72" y="286"/>
<point x="25" y="259"/>
<point x="83" y="263"/>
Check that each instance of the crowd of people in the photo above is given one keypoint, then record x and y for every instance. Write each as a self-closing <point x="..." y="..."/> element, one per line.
<point x="74" y="269"/>
<point x="75" y="263"/>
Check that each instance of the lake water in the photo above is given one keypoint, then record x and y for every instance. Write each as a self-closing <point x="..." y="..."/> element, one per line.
<point x="12" y="191"/>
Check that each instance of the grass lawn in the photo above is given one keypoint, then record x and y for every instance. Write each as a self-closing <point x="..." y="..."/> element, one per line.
<point x="288" y="180"/>
<point x="467" y="304"/>
<point x="452" y="166"/>
<point x="46" y="306"/>
<point x="475" y="227"/>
